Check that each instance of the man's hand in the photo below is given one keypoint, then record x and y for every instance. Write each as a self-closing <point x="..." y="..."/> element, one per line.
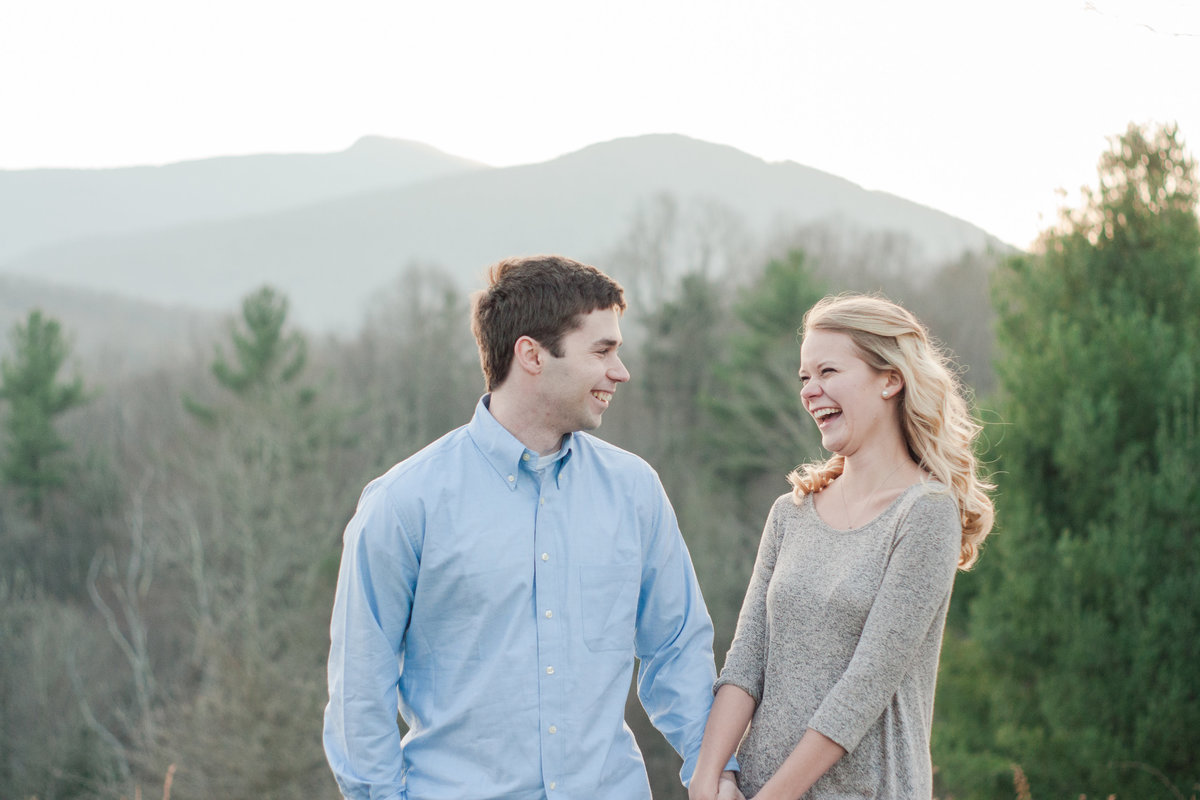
<point x="727" y="788"/>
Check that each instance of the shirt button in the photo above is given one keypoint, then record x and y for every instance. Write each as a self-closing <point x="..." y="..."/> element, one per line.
<point x="541" y="501"/>
<point x="549" y="670"/>
<point x="525" y="457"/>
<point x="545" y="556"/>
<point x="549" y="613"/>
<point x="553" y="786"/>
<point x="553" y="729"/>
<point x="512" y="478"/>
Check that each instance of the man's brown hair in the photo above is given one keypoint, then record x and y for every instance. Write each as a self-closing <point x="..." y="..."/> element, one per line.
<point x="542" y="297"/>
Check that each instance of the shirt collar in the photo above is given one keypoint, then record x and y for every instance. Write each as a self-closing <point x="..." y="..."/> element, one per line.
<point x="503" y="450"/>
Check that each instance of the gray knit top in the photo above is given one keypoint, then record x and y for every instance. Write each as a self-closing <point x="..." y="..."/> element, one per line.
<point x="840" y="631"/>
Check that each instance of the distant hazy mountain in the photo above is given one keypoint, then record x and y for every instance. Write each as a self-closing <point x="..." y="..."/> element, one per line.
<point x="331" y="256"/>
<point x="108" y="333"/>
<point x="49" y="206"/>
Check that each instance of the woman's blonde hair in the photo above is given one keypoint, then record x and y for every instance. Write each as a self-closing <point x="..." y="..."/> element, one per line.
<point x="937" y="423"/>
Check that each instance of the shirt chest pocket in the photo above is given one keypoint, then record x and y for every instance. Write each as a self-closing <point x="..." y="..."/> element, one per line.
<point x="608" y="600"/>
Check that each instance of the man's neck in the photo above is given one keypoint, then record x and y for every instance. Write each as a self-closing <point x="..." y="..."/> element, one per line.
<point x="518" y="418"/>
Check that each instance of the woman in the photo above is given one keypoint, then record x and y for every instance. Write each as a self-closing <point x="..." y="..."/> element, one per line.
<point x="835" y="656"/>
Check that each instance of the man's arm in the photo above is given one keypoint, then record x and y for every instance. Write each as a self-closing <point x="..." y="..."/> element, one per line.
<point x="674" y="634"/>
<point x="370" y="614"/>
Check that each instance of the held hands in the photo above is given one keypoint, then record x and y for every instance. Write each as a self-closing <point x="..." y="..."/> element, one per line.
<point x="725" y="789"/>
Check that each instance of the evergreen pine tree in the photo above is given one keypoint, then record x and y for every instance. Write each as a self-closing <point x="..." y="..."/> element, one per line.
<point x="265" y="359"/>
<point x="1087" y="618"/>
<point x="32" y="459"/>
<point x="758" y="427"/>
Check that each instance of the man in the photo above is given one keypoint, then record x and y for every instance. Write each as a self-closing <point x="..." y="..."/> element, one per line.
<point x="500" y="582"/>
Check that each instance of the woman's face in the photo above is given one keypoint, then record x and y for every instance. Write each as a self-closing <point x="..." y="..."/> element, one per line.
<point x="843" y="393"/>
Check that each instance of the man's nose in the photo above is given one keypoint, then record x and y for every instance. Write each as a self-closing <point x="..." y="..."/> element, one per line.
<point x="618" y="372"/>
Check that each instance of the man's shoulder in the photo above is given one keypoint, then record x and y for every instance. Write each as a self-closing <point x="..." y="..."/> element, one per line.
<point x="606" y="455"/>
<point x="427" y="462"/>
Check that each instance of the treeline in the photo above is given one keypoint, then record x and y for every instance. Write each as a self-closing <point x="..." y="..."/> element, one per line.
<point x="169" y="541"/>
<point x="1074" y="663"/>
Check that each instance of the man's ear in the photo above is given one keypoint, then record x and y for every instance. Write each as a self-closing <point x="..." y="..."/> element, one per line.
<point x="528" y="355"/>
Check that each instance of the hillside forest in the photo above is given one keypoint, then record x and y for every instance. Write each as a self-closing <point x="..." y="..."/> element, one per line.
<point x="170" y="536"/>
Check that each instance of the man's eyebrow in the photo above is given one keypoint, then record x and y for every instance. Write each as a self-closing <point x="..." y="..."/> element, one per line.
<point x="606" y="343"/>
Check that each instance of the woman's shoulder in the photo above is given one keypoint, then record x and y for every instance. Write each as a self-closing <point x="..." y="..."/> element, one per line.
<point x="792" y="504"/>
<point x="929" y="505"/>
<point x="931" y="494"/>
<point x="791" y="511"/>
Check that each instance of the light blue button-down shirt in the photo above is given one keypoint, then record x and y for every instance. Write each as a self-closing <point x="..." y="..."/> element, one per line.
<point x="501" y="609"/>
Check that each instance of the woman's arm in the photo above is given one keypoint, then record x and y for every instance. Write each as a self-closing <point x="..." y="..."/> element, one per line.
<point x="814" y="755"/>
<point x="731" y="711"/>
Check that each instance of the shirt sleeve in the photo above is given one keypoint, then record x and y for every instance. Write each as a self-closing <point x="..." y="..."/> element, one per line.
<point x="371" y="609"/>
<point x="912" y="596"/>
<point x="745" y="663"/>
<point x="674" y="634"/>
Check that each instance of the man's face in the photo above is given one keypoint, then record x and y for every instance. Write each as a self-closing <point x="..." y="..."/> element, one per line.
<point x="578" y="386"/>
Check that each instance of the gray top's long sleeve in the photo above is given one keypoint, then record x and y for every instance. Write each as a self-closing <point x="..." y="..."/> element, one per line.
<point x="840" y="631"/>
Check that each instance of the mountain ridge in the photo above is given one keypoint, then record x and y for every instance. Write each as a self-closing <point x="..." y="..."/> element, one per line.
<point x="43" y="207"/>
<point x="332" y="254"/>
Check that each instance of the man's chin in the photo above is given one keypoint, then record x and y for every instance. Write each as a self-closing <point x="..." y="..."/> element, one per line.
<point x="591" y="423"/>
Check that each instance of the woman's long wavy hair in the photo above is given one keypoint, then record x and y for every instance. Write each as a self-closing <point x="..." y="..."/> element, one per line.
<point x="938" y="427"/>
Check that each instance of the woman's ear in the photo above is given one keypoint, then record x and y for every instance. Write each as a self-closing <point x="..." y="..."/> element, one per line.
<point x="528" y="355"/>
<point x="893" y="385"/>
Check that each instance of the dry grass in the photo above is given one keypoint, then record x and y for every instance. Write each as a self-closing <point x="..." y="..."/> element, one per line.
<point x="167" y="781"/>
<point x="1021" y="783"/>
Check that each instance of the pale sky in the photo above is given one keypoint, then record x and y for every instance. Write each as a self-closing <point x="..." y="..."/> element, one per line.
<point x="983" y="110"/>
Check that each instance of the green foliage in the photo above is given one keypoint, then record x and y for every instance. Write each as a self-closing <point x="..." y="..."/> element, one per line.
<point x="758" y="427"/>
<point x="963" y="752"/>
<point x="678" y="370"/>
<point x="684" y="339"/>
<point x="265" y="357"/>
<point x="1086" y="616"/>
<point x="264" y="354"/>
<point x="32" y="460"/>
